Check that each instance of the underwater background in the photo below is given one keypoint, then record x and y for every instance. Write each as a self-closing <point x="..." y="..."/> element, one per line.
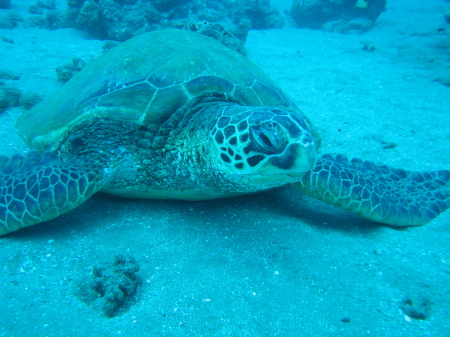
<point x="374" y="78"/>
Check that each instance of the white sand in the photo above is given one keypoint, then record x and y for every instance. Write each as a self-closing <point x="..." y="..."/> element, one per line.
<point x="274" y="264"/>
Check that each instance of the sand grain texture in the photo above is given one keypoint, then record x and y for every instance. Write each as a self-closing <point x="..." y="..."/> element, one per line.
<point x="274" y="264"/>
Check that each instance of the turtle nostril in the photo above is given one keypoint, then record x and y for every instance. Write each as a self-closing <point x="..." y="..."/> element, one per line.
<point x="307" y="140"/>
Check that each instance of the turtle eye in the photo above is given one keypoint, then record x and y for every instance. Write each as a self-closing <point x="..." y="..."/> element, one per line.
<point x="266" y="138"/>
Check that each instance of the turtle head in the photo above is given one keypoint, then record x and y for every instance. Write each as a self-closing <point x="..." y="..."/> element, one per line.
<point x="262" y="147"/>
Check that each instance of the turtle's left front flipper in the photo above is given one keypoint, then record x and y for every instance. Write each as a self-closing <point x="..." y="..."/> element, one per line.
<point x="36" y="188"/>
<point x="378" y="192"/>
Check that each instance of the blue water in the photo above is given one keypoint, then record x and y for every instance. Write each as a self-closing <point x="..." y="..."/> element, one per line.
<point x="276" y="263"/>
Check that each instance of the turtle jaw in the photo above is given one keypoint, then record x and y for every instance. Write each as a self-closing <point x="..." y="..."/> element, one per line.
<point x="298" y="158"/>
<point x="288" y="167"/>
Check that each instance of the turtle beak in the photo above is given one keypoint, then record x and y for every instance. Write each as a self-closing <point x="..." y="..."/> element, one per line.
<point x="298" y="158"/>
<point x="304" y="159"/>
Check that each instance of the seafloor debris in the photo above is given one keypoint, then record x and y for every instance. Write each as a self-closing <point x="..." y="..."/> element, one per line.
<point x="120" y="20"/>
<point x="66" y="72"/>
<point x="341" y="16"/>
<point x="9" y="97"/>
<point x="112" y="287"/>
<point x="417" y="307"/>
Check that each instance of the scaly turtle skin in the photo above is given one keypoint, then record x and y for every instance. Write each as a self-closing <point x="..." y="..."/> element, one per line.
<point x="173" y="114"/>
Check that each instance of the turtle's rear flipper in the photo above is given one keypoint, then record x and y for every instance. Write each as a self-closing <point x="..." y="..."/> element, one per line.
<point x="37" y="188"/>
<point x="378" y="192"/>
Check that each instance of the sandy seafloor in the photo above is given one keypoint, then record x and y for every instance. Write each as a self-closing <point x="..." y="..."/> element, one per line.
<point x="273" y="264"/>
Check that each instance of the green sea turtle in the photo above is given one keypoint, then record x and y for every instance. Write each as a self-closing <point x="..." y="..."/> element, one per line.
<point x="174" y="114"/>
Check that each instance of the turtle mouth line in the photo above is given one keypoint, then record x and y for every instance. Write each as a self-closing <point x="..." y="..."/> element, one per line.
<point x="281" y="174"/>
<point x="295" y="174"/>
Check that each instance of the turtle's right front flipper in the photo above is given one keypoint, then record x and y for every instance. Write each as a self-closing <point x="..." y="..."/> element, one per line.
<point x="378" y="192"/>
<point x="38" y="188"/>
